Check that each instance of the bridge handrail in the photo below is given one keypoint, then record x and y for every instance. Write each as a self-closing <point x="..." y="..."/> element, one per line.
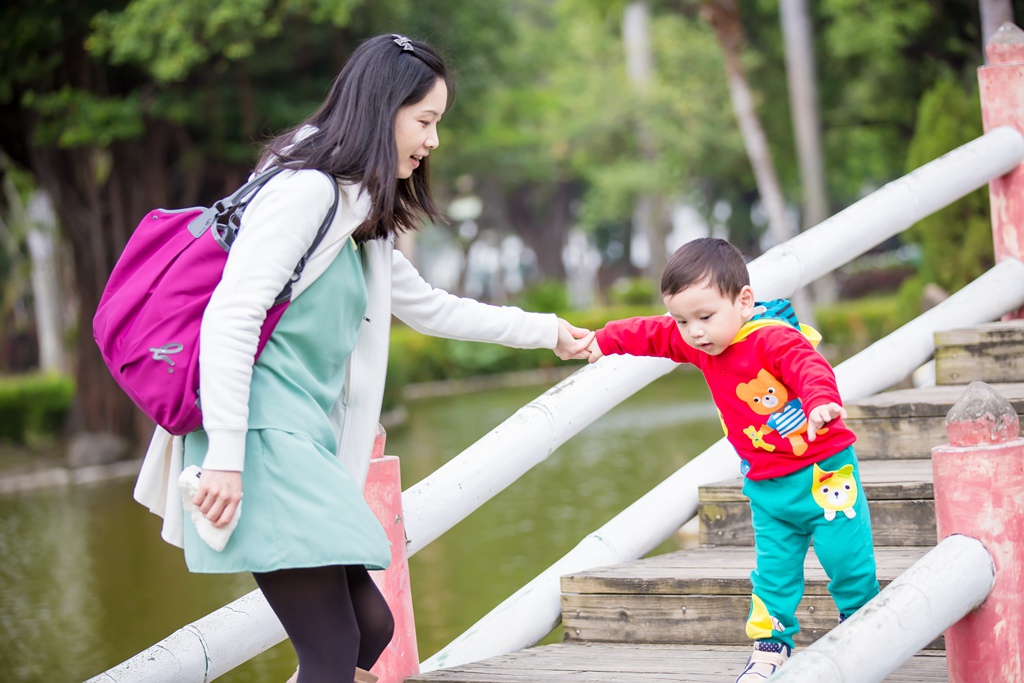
<point x="452" y="492"/>
<point x="934" y="593"/>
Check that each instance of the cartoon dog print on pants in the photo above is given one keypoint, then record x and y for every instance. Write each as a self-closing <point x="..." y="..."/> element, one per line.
<point x="835" y="491"/>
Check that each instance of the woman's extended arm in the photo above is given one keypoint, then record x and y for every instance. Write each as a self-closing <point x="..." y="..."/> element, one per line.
<point x="435" y="312"/>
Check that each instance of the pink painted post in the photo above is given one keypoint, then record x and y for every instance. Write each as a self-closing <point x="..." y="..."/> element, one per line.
<point x="383" y="493"/>
<point x="1002" y="104"/>
<point x="979" y="492"/>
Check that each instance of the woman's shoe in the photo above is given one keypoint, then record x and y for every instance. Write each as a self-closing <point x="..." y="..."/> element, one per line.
<point x="364" y="676"/>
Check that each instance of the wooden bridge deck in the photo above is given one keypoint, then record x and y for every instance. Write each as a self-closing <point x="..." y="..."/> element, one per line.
<point x="627" y="662"/>
<point x="680" y="616"/>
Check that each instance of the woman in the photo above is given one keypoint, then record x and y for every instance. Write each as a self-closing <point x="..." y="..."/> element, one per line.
<point x="295" y="430"/>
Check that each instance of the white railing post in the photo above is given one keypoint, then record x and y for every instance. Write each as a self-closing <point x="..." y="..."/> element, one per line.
<point x="952" y="579"/>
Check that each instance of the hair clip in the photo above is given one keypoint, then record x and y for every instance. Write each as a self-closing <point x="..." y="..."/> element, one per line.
<point x="403" y="42"/>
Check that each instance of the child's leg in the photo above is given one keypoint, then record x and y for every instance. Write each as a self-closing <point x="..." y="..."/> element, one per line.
<point x="781" y="546"/>
<point x="844" y="543"/>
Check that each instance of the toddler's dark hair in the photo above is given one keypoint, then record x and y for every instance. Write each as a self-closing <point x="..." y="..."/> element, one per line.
<point x="709" y="260"/>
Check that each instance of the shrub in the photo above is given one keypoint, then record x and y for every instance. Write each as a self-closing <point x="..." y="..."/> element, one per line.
<point x="634" y="291"/>
<point x="853" y="325"/>
<point x="33" y="406"/>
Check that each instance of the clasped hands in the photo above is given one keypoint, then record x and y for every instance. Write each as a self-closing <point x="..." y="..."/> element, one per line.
<point x="574" y="343"/>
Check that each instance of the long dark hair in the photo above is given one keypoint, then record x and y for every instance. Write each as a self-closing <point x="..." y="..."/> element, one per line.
<point x="354" y="132"/>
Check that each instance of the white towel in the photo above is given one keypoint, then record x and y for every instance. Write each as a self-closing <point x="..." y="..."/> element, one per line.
<point x="216" y="538"/>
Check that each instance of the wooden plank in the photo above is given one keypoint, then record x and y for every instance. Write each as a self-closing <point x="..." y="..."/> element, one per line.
<point x="627" y="662"/>
<point x="898" y="438"/>
<point x="990" y="353"/>
<point x="923" y="402"/>
<point x="714" y="571"/>
<point x="882" y="480"/>
<point x="893" y="523"/>
<point x="682" y="619"/>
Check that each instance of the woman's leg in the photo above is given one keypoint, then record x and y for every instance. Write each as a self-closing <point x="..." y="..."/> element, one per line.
<point x="315" y="607"/>
<point x="376" y="624"/>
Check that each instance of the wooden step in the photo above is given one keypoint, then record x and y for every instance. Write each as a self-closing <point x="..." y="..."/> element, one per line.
<point x="698" y="596"/>
<point x="909" y="422"/>
<point x="625" y="662"/>
<point x="899" y="496"/>
<point x="990" y="353"/>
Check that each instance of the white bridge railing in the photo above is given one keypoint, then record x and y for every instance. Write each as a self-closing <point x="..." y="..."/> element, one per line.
<point x="222" y="640"/>
<point x="934" y="593"/>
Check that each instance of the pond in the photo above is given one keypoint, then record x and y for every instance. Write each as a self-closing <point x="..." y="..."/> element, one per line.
<point x="86" y="582"/>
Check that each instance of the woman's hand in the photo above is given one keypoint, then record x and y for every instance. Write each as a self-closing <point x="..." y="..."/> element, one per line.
<point x="573" y="342"/>
<point x="218" y="496"/>
<point x="595" y="352"/>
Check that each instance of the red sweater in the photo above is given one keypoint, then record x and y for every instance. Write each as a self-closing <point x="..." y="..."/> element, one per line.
<point x="755" y="383"/>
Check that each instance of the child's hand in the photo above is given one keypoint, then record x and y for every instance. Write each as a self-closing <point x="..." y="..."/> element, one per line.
<point x="821" y="416"/>
<point x="573" y="342"/>
<point x="595" y="351"/>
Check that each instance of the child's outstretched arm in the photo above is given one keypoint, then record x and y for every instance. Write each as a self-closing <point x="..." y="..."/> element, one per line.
<point x="821" y="416"/>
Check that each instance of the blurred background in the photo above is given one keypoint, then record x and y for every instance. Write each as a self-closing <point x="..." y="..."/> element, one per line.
<point x="587" y="141"/>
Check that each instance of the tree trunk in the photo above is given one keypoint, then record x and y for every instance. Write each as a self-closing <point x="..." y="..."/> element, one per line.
<point x="542" y="216"/>
<point x="649" y="222"/>
<point x="724" y="18"/>
<point x="100" y="195"/>
<point x="803" y="100"/>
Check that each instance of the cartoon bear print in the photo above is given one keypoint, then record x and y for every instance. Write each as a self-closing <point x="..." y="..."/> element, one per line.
<point x="835" y="491"/>
<point x="768" y="396"/>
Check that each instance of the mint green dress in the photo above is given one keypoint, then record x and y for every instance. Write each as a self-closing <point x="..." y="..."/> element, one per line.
<point x="300" y="506"/>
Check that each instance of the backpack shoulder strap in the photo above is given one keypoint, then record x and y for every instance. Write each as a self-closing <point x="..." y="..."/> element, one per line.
<point x="286" y="293"/>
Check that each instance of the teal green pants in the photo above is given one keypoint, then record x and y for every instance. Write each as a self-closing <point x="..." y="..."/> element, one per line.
<point x="826" y="503"/>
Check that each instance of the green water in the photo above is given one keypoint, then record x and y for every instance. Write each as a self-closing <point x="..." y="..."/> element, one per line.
<point x="86" y="582"/>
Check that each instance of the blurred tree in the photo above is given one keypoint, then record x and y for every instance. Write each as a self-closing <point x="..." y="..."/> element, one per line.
<point x="956" y="242"/>
<point x="117" y="107"/>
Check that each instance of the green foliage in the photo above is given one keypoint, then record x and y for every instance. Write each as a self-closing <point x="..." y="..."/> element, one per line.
<point x="634" y="291"/>
<point x="956" y="242"/>
<point x="548" y="295"/>
<point x="33" y="406"/>
<point x="170" y="39"/>
<point x="855" y="324"/>
<point x="75" y="118"/>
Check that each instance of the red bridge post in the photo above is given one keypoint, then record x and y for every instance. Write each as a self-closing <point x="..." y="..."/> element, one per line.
<point x="979" y="492"/>
<point x="1002" y="104"/>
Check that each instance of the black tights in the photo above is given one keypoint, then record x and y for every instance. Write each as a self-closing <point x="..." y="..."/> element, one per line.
<point x="335" y="616"/>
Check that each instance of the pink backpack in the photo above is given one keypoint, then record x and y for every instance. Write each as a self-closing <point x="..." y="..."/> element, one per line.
<point x="147" y="322"/>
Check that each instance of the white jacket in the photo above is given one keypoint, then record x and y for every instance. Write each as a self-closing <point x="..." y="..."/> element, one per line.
<point x="277" y="228"/>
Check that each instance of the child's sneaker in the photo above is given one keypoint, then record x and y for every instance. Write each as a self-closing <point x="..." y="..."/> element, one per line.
<point x="765" y="660"/>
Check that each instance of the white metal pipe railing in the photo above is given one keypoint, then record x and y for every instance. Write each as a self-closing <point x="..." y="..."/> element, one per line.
<point x="530" y="613"/>
<point x="451" y="493"/>
<point x="934" y="593"/>
<point x="888" y="211"/>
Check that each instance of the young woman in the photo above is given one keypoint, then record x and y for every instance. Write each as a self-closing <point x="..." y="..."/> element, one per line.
<point x="294" y="432"/>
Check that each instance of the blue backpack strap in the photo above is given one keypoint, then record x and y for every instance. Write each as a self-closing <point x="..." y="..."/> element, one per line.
<point x="776" y="309"/>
